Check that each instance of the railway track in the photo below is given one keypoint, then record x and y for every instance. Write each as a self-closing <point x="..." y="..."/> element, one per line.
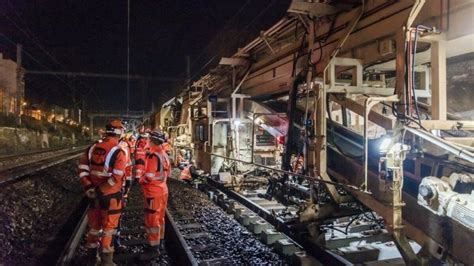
<point x="197" y="233"/>
<point x="30" y="153"/>
<point x="12" y="171"/>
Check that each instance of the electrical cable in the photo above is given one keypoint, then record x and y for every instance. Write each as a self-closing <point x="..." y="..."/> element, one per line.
<point x="339" y="47"/>
<point x="403" y="117"/>
<point x="37" y="61"/>
<point x="31" y="36"/>
<point x="350" y="222"/>
<point x="333" y="228"/>
<point x="415" y="101"/>
<point x="215" y="38"/>
<point x="298" y="55"/>
<point x="223" y="28"/>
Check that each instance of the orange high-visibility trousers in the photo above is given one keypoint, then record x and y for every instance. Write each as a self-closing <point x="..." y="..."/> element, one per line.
<point x="154" y="214"/>
<point x="162" y="212"/>
<point x="186" y="173"/>
<point x="103" y="214"/>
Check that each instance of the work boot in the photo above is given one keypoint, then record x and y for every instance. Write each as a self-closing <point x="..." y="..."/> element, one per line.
<point x="107" y="259"/>
<point x="92" y="258"/>
<point x="150" y="252"/>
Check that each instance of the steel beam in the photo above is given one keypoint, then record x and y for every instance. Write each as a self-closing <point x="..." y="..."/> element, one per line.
<point x="420" y="224"/>
<point x="374" y="117"/>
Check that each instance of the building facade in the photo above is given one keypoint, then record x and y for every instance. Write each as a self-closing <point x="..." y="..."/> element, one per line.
<point x="9" y="94"/>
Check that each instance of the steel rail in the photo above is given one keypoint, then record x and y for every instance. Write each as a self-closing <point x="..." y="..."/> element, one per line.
<point x="73" y="243"/>
<point x="319" y="252"/>
<point x="10" y="156"/>
<point x="178" y="239"/>
<point x="173" y="237"/>
<point x="21" y="170"/>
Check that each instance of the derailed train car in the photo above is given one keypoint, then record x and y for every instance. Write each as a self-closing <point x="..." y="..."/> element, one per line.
<point x="338" y="108"/>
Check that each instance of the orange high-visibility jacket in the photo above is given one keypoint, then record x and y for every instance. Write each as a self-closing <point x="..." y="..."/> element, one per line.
<point x="157" y="171"/>
<point x="131" y="144"/>
<point x="141" y="148"/>
<point x="181" y="159"/>
<point x="103" y="166"/>
<point x="128" y="153"/>
<point x="186" y="173"/>
<point x="166" y="147"/>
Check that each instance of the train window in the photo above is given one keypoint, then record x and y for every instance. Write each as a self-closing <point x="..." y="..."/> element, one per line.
<point x="200" y="133"/>
<point x="409" y="166"/>
<point x="425" y="170"/>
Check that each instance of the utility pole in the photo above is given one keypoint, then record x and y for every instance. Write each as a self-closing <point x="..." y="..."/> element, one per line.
<point x="128" y="56"/>
<point x="83" y="112"/>
<point x="188" y="71"/>
<point x="19" y="83"/>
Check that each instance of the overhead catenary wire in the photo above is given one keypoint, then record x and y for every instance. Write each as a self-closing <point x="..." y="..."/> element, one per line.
<point x="223" y="28"/>
<point x="245" y="28"/>
<point x="42" y="65"/>
<point x="37" y="61"/>
<point x="32" y="37"/>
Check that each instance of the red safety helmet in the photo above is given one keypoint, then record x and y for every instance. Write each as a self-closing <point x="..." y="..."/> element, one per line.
<point x="115" y="127"/>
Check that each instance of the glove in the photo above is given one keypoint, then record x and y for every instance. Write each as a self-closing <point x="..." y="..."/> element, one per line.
<point x="91" y="194"/>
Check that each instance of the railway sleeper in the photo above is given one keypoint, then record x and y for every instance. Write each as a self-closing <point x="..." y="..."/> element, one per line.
<point x="261" y="228"/>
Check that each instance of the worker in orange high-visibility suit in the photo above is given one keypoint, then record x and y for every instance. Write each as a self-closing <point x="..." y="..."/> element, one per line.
<point x="185" y="165"/>
<point x="155" y="193"/>
<point x="101" y="172"/>
<point x="141" y="148"/>
<point x="131" y="141"/>
<point x="167" y="147"/>
<point x="124" y="144"/>
<point x="298" y="164"/>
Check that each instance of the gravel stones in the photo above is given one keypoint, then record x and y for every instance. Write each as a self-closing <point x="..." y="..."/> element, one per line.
<point x="33" y="211"/>
<point x="132" y="230"/>
<point x="226" y="239"/>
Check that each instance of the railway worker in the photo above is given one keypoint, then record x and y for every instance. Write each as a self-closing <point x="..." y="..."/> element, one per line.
<point x="298" y="164"/>
<point x="141" y="148"/>
<point x="182" y="157"/>
<point x="101" y="171"/>
<point x="155" y="192"/>
<point x="127" y="184"/>
<point x="131" y="140"/>
<point x="167" y="147"/>
<point x="185" y="165"/>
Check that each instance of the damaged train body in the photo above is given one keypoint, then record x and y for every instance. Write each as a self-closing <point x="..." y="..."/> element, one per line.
<point x="334" y="124"/>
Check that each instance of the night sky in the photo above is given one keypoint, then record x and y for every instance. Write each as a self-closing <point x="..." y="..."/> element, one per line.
<point x="91" y="36"/>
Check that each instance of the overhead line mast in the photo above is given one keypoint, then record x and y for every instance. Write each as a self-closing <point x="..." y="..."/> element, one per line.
<point x="128" y="56"/>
